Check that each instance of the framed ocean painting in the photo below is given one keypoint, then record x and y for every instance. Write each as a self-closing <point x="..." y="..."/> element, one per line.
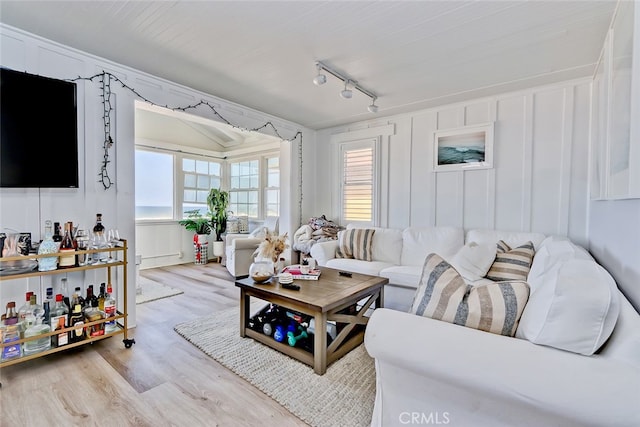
<point x="465" y="148"/>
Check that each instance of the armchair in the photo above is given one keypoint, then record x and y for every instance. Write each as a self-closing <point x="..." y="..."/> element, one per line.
<point x="239" y="248"/>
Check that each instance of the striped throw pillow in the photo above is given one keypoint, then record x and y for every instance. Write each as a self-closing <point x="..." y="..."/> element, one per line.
<point x="443" y="295"/>
<point x="511" y="264"/>
<point x="494" y="307"/>
<point x="355" y="243"/>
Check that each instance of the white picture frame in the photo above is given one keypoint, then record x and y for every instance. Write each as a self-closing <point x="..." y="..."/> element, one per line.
<point x="467" y="148"/>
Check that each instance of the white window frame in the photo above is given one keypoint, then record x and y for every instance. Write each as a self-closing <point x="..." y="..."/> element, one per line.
<point x="178" y="179"/>
<point x="262" y="179"/>
<point x="373" y="144"/>
<point x="380" y="137"/>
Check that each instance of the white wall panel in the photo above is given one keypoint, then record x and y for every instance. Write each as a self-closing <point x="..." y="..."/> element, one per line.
<point x="509" y="162"/>
<point x="538" y="182"/>
<point x="547" y="174"/>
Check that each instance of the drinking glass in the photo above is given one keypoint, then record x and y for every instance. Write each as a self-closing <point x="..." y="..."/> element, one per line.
<point x="83" y="244"/>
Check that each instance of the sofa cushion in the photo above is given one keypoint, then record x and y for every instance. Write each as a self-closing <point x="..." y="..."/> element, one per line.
<point x="387" y="244"/>
<point x="403" y="275"/>
<point x="417" y="243"/>
<point x="511" y="264"/>
<point x="574" y="307"/>
<point x="473" y="261"/>
<point x="552" y="251"/>
<point x="372" y="268"/>
<point x="443" y="295"/>
<point x="511" y="238"/>
<point x="355" y="243"/>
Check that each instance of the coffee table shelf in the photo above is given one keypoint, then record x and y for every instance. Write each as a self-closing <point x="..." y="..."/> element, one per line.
<point x="325" y="300"/>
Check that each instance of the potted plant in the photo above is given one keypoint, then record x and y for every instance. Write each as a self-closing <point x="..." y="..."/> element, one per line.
<point x="197" y="223"/>
<point x="218" y="202"/>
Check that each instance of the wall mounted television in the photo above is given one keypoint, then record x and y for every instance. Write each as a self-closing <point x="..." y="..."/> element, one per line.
<point x="39" y="131"/>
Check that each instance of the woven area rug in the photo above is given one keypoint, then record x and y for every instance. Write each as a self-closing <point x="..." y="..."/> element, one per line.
<point x="151" y="291"/>
<point x="343" y="396"/>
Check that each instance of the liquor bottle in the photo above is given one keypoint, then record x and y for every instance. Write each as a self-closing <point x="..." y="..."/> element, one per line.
<point x="101" y="297"/>
<point x="99" y="240"/>
<point x="47" y="246"/>
<point x="46" y="316"/>
<point x="93" y="314"/>
<point x="98" y="228"/>
<point x="57" y="236"/>
<point x="76" y="320"/>
<point x="66" y="247"/>
<point x="23" y="312"/>
<point x="34" y="311"/>
<point x="58" y="320"/>
<point x="36" y="345"/>
<point x="91" y="300"/>
<point x="110" y="310"/>
<point x="50" y="298"/>
<point x="11" y="316"/>
<point x="61" y="287"/>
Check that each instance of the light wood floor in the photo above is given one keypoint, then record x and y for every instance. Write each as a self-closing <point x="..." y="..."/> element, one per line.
<point x="163" y="380"/>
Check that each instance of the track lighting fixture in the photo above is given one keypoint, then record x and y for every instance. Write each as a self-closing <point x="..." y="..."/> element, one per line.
<point x="373" y="108"/>
<point x="346" y="93"/>
<point x="320" y="79"/>
<point x="349" y="83"/>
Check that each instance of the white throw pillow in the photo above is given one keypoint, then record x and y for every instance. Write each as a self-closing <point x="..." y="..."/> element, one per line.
<point x="473" y="261"/>
<point x="574" y="307"/>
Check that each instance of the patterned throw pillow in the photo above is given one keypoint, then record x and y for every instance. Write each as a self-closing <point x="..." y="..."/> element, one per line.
<point x="511" y="264"/>
<point x="442" y="294"/>
<point x="355" y="243"/>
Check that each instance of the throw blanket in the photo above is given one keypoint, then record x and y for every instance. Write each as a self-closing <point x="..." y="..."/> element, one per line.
<point x="319" y="229"/>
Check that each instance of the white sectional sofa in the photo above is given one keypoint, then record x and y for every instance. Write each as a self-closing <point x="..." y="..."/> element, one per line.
<point x="574" y="361"/>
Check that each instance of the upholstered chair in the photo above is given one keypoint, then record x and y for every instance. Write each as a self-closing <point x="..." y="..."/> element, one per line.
<point x="239" y="248"/>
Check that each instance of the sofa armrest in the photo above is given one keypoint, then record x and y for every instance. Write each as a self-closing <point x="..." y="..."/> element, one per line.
<point x="598" y="390"/>
<point x="248" y="243"/>
<point x="324" y="251"/>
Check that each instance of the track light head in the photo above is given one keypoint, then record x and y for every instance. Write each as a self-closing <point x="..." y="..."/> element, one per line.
<point x="373" y="108"/>
<point x="320" y="79"/>
<point x="346" y="93"/>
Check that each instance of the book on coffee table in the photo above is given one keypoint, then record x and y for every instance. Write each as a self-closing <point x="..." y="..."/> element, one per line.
<point x="297" y="273"/>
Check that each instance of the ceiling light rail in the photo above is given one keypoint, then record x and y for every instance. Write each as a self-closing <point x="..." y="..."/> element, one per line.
<point x="347" y="93"/>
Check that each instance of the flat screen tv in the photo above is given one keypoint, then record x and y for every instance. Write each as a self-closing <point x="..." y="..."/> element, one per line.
<point x="39" y="131"/>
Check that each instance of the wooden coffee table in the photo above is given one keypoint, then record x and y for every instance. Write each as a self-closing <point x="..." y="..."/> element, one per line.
<point x="331" y="297"/>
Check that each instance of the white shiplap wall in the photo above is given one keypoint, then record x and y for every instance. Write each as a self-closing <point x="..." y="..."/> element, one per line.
<point x="538" y="182"/>
<point x="26" y="209"/>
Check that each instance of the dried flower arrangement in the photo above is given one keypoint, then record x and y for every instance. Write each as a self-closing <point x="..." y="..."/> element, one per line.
<point x="272" y="246"/>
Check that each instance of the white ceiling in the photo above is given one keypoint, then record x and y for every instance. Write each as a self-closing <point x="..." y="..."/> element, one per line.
<point x="412" y="54"/>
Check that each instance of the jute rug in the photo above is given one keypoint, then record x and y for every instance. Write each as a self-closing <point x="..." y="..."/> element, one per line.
<point x="343" y="396"/>
<point x="152" y="291"/>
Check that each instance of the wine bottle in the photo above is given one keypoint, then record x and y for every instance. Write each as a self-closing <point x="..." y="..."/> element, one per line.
<point x="57" y="236"/>
<point x="66" y="247"/>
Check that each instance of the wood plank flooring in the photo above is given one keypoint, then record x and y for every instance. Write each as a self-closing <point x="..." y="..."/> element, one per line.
<point x="163" y="380"/>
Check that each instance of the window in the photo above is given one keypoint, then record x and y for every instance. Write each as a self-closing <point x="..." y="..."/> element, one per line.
<point x="272" y="190"/>
<point x="357" y="182"/>
<point x="245" y="187"/>
<point x="199" y="176"/>
<point x="169" y="184"/>
<point x="255" y="187"/>
<point x="154" y="185"/>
